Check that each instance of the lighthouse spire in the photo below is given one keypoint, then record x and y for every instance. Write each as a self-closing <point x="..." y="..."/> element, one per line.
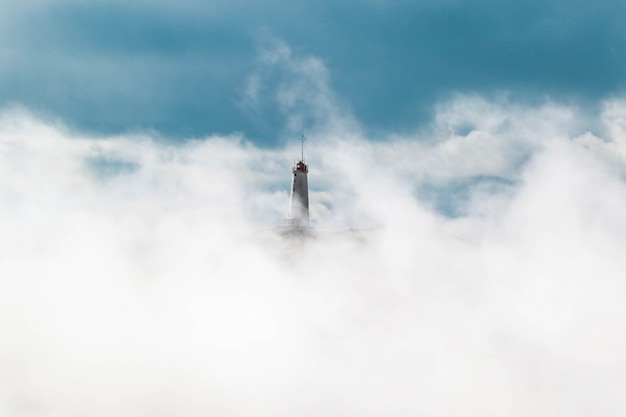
<point x="298" y="216"/>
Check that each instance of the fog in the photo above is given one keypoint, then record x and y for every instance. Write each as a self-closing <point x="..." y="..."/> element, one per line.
<point x="485" y="274"/>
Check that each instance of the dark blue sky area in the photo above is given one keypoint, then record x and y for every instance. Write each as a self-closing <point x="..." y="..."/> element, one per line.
<point x="182" y="69"/>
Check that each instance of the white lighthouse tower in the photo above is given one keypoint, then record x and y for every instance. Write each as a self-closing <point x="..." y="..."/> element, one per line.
<point x="298" y="216"/>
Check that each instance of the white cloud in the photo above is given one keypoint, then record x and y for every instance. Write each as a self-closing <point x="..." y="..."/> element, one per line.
<point x="299" y="88"/>
<point x="140" y="277"/>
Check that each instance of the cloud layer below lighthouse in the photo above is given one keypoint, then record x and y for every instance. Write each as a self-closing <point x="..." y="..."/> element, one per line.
<point x="142" y="277"/>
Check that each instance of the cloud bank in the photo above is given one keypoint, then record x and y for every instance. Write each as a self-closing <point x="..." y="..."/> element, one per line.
<point x="139" y="277"/>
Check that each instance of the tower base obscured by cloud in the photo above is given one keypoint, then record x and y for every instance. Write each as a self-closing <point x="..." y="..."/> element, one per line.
<point x="136" y="277"/>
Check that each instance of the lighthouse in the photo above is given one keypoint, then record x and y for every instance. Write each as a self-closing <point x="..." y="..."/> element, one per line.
<point x="298" y="216"/>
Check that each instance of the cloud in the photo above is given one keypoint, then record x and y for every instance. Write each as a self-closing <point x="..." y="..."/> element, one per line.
<point x="142" y="277"/>
<point x="299" y="88"/>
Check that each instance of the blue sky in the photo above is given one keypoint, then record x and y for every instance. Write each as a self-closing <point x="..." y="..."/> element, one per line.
<point x="185" y="70"/>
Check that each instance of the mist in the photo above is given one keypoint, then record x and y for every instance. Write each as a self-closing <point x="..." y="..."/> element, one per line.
<point x="473" y="268"/>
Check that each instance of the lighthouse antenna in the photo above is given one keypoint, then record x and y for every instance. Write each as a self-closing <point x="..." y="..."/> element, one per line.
<point x="302" y="139"/>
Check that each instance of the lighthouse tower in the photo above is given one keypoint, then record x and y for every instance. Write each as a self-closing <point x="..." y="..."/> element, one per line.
<point x="298" y="216"/>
